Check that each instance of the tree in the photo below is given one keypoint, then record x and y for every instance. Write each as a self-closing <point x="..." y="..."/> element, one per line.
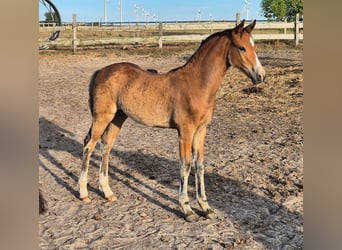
<point x="50" y="17"/>
<point x="281" y="10"/>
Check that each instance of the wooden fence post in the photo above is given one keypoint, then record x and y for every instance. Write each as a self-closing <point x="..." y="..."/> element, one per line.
<point x="160" y="31"/>
<point x="296" y="30"/>
<point x="74" y="36"/>
<point x="238" y="18"/>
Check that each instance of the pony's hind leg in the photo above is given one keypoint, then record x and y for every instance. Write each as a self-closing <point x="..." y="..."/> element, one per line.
<point x="198" y="154"/>
<point x="107" y="141"/>
<point x="83" y="179"/>
<point x="90" y="141"/>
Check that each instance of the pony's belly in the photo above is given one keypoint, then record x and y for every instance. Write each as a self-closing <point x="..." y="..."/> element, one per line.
<point x="150" y="117"/>
<point x="147" y="107"/>
<point x="152" y="123"/>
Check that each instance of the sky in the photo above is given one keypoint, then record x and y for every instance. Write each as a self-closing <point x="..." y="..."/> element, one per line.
<point x="159" y="10"/>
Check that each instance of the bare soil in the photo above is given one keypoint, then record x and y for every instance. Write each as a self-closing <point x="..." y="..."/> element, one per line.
<point x="254" y="160"/>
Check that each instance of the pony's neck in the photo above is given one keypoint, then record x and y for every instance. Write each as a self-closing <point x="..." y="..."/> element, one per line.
<point x="208" y="44"/>
<point x="209" y="63"/>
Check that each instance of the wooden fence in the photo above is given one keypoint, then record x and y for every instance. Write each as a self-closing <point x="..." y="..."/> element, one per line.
<point x="75" y="35"/>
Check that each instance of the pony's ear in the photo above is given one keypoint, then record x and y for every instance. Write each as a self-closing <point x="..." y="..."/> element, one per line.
<point x="250" y="27"/>
<point x="239" y="27"/>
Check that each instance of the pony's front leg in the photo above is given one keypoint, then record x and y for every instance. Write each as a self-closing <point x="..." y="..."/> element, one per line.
<point x="200" y="191"/>
<point x="185" y="142"/>
<point x="198" y="151"/>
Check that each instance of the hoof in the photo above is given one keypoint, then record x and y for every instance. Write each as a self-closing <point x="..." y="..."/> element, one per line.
<point x="191" y="217"/>
<point x="86" y="199"/>
<point x="210" y="214"/>
<point x="112" y="198"/>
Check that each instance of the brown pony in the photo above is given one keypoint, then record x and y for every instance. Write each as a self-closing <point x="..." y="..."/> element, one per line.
<point x="182" y="99"/>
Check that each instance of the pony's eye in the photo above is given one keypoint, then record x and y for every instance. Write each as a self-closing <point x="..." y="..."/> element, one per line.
<point x="242" y="49"/>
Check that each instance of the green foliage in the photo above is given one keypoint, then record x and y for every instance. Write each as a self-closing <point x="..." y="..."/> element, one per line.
<point x="50" y="17"/>
<point x="281" y="10"/>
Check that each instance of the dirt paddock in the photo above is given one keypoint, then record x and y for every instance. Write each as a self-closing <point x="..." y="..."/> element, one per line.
<point x="253" y="158"/>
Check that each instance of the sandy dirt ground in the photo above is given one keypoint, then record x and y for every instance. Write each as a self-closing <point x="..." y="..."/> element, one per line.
<point x="253" y="158"/>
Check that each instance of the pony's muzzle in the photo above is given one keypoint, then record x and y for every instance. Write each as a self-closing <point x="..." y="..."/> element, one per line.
<point x="258" y="75"/>
<point x="261" y="74"/>
<point x="261" y="77"/>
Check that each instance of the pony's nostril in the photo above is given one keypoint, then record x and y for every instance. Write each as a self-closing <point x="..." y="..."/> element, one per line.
<point x="261" y="77"/>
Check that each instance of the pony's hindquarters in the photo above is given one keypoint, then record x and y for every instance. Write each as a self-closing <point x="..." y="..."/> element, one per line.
<point x="106" y="123"/>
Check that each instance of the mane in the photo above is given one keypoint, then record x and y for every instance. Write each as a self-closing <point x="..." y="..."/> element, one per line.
<point x="203" y="45"/>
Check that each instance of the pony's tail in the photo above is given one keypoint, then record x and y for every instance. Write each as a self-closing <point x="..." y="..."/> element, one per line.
<point x="91" y="91"/>
<point x="42" y="203"/>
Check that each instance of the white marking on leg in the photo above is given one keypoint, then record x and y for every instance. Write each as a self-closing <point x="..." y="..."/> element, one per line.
<point x="183" y="189"/>
<point x="200" y="187"/>
<point x="82" y="184"/>
<point x="104" y="185"/>
<point x="103" y="171"/>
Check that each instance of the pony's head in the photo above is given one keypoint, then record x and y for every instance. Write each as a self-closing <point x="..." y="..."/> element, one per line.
<point x="242" y="54"/>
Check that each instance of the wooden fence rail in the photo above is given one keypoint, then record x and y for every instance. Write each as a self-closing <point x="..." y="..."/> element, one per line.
<point x="162" y="33"/>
